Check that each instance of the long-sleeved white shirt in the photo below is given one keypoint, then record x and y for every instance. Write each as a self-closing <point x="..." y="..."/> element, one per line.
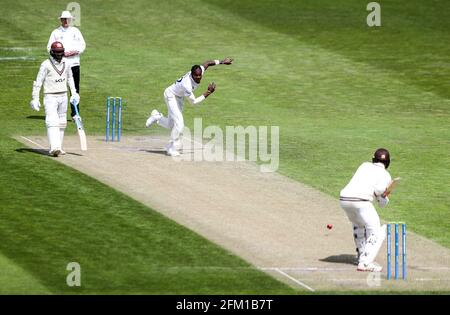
<point x="55" y="76"/>
<point x="185" y="87"/>
<point x="72" y="39"/>
<point x="369" y="181"/>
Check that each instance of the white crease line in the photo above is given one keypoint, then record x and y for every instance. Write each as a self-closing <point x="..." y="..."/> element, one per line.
<point x="308" y="269"/>
<point x="430" y="268"/>
<point x="295" y="280"/>
<point x="429" y="279"/>
<point x="16" y="48"/>
<point x="35" y="143"/>
<point x="344" y="269"/>
<point x="17" y="58"/>
<point x="349" y="280"/>
<point x="388" y="281"/>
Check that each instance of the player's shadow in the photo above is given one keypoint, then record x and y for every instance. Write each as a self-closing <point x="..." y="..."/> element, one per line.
<point x="43" y="118"/>
<point x="36" y="117"/>
<point x="340" y="259"/>
<point x="36" y="151"/>
<point x="161" y="151"/>
<point x="40" y="151"/>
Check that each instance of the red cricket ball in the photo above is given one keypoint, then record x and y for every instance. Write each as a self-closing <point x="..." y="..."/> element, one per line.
<point x="329" y="226"/>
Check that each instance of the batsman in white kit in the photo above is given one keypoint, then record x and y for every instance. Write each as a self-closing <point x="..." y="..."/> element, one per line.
<point x="367" y="185"/>
<point x="174" y="98"/>
<point x="55" y="75"/>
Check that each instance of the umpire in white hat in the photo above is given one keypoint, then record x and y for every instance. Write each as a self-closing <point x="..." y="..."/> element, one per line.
<point x="74" y="45"/>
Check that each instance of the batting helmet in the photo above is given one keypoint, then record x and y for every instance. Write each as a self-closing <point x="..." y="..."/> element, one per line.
<point x="382" y="156"/>
<point x="57" y="51"/>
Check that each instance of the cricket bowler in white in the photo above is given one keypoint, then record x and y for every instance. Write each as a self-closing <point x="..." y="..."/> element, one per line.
<point x="174" y="98"/>
<point x="55" y="75"/>
<point x="368" y="184"/>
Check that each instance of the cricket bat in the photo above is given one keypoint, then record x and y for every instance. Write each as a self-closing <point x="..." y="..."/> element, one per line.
<point x="391" y="186"/>
<point x="80" y="129"/>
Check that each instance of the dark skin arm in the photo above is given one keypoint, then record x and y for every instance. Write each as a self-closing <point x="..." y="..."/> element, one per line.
<point x="226" y="61"/>
<point x="206" y="64"/>
<point x="210" y="90"/>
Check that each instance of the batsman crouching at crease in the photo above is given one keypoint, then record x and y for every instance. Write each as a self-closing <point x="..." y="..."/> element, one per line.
<point x="369" y="183"/>
<point x="55" y="75"/>
<point x="174" y="98"/>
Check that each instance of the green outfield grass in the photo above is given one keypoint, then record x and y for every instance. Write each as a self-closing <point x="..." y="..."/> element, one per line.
<point x="336" y="88"/>
<point x="122" y="246"/>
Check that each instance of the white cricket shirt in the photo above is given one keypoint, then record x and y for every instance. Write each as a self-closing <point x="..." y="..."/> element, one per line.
<point x="54" y="76"/>
<point x="185" y="85"/>
<point x="369" y="180"/>
<point x="71" y="39"/>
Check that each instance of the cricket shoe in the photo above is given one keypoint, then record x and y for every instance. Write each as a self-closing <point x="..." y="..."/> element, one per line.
<point x="173" y="152"/>
<point x="178" y="145"/>
<point x="155" y="116"/>
<point x="62" y="152"/>
<point x="55" y="152"/>
<point x="372" y="267"/>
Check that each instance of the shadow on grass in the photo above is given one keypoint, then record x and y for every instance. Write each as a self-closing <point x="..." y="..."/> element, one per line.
<point x="36" y="117"/>
<point x="28" y="150"/>
<point x="340" y="259"/>
<point x="43" y="118"/>
<point x="41" y="151"/>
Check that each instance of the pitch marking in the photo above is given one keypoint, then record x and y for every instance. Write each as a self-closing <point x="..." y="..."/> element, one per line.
<point x="16" y="58"/>
<point x="35" y="143"/>
<point x="295" y="280"/>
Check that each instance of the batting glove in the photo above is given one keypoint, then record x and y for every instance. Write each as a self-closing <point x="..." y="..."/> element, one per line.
<point x="35" y="104"/>
<point x="75" y="98"/>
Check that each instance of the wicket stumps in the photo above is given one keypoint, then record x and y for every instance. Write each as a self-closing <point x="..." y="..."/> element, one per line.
<point x="396" y="248"/>
<point x="116" y="103"/>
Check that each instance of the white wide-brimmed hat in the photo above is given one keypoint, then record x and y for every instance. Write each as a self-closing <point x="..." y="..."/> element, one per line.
<point x="66" y="15"/>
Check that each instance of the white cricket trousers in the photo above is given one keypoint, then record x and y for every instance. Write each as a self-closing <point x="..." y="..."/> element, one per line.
<point x="367" y="231"/>
<point x="55" y="118"/>
<point x="175" y="120"/>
